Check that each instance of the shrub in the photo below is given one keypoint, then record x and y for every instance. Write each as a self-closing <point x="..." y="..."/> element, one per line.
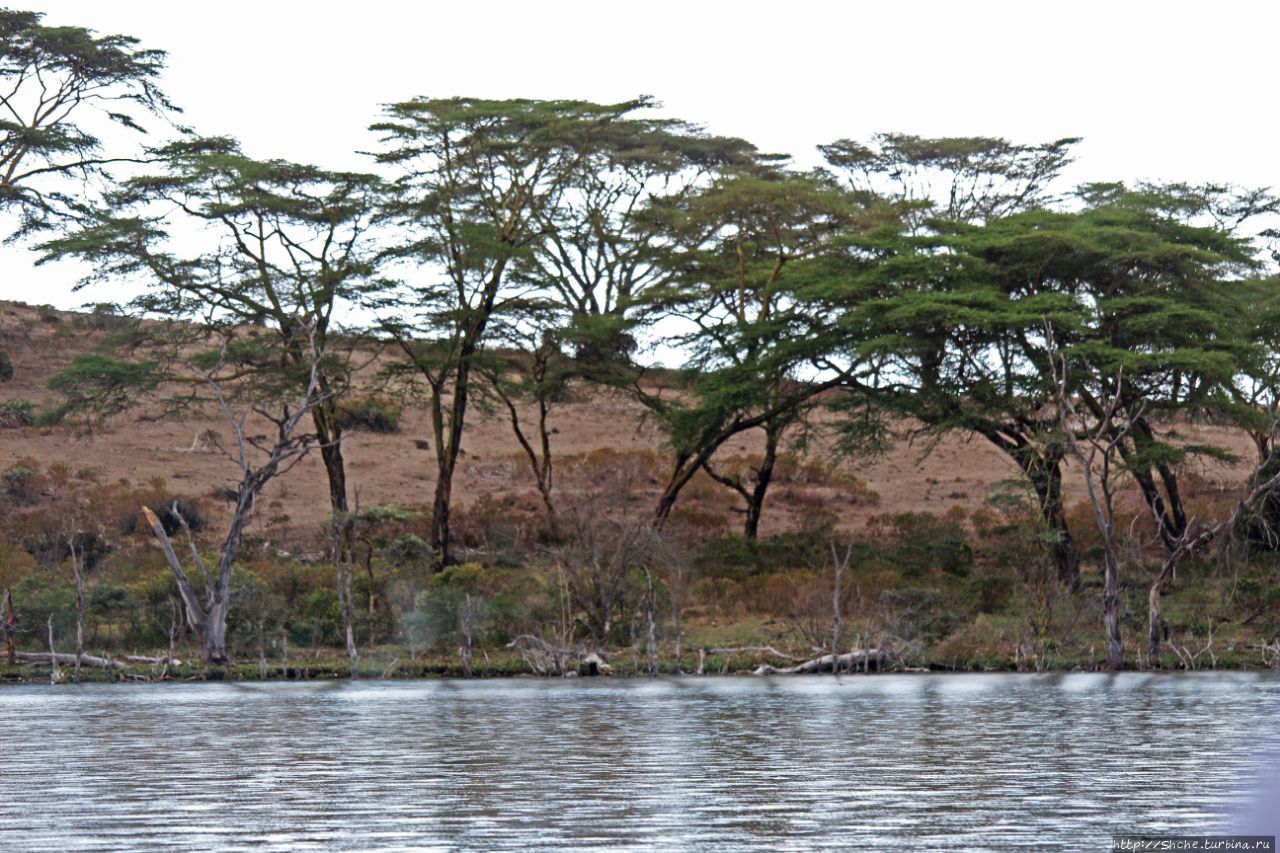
<point x="373" y="414"/>
<point x="409" y="550"/>
<point x="917" y="613"/>
<point x="316" y="621"/>
<point x="17" y="413"/>
<point x="22" y="482"/>
<point x="50" y="548"/>
<point x="6" y="367"/>
<point x="738" y="557"/>
<point x="165" y="511"/>
<point x="919" y="543"/>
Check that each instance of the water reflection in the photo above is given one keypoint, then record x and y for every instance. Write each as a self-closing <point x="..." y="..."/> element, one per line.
<point x="945" y="762"/>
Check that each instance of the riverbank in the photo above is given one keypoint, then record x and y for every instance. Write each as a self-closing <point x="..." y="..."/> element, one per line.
<point x="396" y="663"/>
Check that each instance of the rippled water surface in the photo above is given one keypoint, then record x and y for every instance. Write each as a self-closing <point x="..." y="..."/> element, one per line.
<point x="874" y="762"/>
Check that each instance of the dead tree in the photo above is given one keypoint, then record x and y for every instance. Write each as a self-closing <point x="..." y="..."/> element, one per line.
<point x="466" y="633"/>
<point x="1095" y="443"/>
<point x="343" y="556"/>
<point x="9" y="619"/>
<point x="274" y="455"/>
<point x="841" y="563"/>
<point x="1196" y="537"/>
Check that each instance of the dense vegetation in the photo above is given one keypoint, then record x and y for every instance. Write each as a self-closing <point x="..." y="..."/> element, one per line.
<point x="504" y="254"/>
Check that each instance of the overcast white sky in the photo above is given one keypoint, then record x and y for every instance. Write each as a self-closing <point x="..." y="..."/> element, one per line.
<point x="1169" y="90"/>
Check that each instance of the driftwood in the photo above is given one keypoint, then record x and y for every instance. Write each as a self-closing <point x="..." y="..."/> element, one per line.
<point x="848" y="662"/>
<point x="69" y="659"/>
<point x="742" y="650"/>
<point x="170" y="661"/>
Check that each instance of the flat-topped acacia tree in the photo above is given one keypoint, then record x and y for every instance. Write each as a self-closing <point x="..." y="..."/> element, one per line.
<point x="62" y="91"/>
<point x="224" y="240"/>
<point x="748" y="259"/>
<point x="480" y="181"/>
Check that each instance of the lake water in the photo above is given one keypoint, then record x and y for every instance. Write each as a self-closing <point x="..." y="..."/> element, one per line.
<point x="917" y="762"/>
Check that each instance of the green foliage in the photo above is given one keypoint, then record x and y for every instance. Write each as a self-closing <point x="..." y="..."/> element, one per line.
<point x="95" y="387"/>
<point x="918" y="613"/>
<point x="62" y="88"/>
<point x="920" y="543"/>
<point x="372" y="414"/>
<point x="737" y="557"/>
<point x="17" y="413"/>
<point x="316" y="620"/>
<point x="21" y="483"/>
<point x="409" y="550"/>
<point x="6" y="367"/>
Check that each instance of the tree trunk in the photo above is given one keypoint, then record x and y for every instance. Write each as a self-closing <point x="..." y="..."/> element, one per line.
<point x="1043" y="470"/>
<point x="78" y="571"/>
<point x="848" y="662"/>
<point x="1155" y="630"/>
<point x="440" y="512"/>
<point x="9" y="619"/>
<point x="215" y="632"/>
<point x="1111" y="614"/>
<point x="329" y="434"/>
<point x="764" y="474"/>
<point x="1045" y="474"/>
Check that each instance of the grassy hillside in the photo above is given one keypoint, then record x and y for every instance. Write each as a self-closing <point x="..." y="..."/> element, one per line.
<point x="947" y="566"/>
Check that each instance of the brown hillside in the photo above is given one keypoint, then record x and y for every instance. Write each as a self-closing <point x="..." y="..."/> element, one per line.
<point x="593" y="432"/>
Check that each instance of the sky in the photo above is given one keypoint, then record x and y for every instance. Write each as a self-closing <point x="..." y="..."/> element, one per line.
<point x="1159" y="91"/>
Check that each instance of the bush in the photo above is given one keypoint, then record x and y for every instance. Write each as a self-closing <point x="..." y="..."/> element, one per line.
<point x="6" y="367"/>
<point x="17" y="413"/>
<point x="22" y="482"/>
<point x="738" y="557"/>
<point x="917" y="613"/>
<point x="317" y="621"/>
<point x="49" y="548"/>
<point x="165" y="511"/>
<point x="409" y="550"/>
<point x="373" y="414"/>
<point x="920" y="542"/>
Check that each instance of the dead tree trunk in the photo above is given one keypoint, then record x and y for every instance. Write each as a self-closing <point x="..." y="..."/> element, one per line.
<point x="1192" y="540"/>
<point x="467" y="630"/>
<point x="343" y="553"/>
<point x="840" y="563"/>
<point x="847" y="662"/>
<point x="56" y="658"/>
<point x="54" y="674"/>
<point x="1095" y="443"/>
<point x="9" y="619"/>
<point x="651" y="636"/>
<point x="77" y="570"/>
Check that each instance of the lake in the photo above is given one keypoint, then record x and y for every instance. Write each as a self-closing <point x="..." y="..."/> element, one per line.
<point x="716" y="763"/>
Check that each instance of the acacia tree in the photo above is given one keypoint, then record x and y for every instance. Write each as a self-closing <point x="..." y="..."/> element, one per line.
<point x="744" y="256"/>
<point x="62" y="90"/>
<point x="480" y="178"/>
<point x="227" y="240"/>
<point x="599" y="250"/>
<point x="595" y="260"/>
<point x="952" y="342"/>
<point x="969" y="179"/>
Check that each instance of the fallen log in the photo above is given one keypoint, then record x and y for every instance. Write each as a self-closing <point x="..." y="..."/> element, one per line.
<point x="68" y="659"/>
<point x="150" y="660"/>
<point x="849" y="662"/>
<point x="741" y="650"/>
